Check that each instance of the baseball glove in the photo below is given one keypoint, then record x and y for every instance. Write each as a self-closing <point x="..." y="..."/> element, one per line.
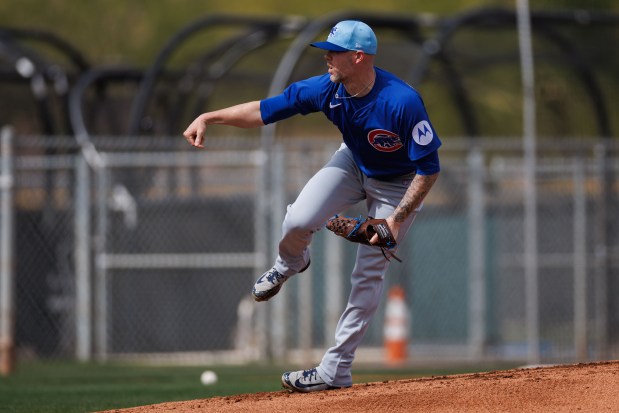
<point x="361" y="230"/>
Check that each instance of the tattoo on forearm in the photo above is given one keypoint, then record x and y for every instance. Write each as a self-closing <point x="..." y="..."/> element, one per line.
<point x="414" y="196"/>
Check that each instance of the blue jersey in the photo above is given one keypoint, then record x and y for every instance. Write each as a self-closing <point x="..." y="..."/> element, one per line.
<point x="388" y="130"/>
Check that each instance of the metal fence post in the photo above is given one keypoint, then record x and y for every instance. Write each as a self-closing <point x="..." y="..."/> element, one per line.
<point x="601" y="252"/>
<point x="531" y="253"/>
<point x="101" y="274"/>
<point x="279" y="332"/>
<point x="580" y="260"/>
<point x="477" y="254"/>
<point x="7" y="264"/>
<point x="262" y="245"/>
<point x="83" y="285"/>
<point x="305" y="297"/>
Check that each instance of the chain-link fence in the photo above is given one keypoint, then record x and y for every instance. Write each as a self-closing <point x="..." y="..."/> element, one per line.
<point x="152" y="252"/>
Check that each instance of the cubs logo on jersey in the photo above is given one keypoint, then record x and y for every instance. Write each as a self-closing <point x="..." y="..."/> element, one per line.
<point x="384" y="140"/>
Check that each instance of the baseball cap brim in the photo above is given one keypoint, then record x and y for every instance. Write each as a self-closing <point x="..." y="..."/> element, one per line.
<point x="329" y="46"/>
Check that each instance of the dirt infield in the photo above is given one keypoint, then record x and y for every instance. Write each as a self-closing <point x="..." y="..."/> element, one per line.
<point x="568" y="388"/>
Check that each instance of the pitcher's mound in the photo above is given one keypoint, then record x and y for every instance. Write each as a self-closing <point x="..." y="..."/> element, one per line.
<point x="568" y="388"/>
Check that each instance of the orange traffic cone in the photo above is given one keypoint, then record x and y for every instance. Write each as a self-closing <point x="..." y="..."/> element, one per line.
<point x="396" y="326"/>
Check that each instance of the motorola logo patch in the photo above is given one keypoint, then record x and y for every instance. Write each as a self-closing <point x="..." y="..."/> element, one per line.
<point x="422" y="133"/>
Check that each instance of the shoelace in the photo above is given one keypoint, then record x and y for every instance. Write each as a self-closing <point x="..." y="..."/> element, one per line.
<point x="309" y="373"/>
<point x="274" y="275"/>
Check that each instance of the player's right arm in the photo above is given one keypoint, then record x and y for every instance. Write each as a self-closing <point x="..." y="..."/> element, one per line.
<point x="245" y="115"/>
<point x="301" y="97"/>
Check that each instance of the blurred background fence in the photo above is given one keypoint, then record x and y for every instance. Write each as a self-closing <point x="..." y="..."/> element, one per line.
<point x="123" y="242"/>
<point x="156" y="250"/>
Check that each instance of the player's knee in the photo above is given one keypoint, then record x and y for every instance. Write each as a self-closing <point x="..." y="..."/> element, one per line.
<point x="295" y="226"/>
<point x="296" y="222"/>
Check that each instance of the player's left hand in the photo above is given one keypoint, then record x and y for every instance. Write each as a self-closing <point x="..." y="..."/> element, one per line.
<point x="393" y="226"/>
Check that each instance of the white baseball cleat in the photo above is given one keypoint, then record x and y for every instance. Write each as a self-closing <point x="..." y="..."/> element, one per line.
<point x="305" y="381"/>
<point x="270" y="283"/>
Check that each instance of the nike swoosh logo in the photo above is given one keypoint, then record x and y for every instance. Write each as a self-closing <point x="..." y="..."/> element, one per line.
<point x="331" y="105"/>
<point x="300" y="385"/>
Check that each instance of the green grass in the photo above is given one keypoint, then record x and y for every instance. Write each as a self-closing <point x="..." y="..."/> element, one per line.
<point x="65" y="387"/>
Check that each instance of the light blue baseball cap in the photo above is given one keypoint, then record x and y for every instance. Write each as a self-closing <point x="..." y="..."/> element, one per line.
<point x="349" y="35"/>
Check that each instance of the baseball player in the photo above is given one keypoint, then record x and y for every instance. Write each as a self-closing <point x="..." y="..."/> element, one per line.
<point x="388" y="159"/>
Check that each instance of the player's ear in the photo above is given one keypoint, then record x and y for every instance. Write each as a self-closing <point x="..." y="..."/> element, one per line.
<point x="359" y="56"/>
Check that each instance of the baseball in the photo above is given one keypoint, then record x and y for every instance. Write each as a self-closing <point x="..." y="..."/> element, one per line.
<point x="208" y="377"/>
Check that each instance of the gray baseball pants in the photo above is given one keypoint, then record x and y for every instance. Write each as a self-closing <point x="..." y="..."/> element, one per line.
<point x="336" y="187"/>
